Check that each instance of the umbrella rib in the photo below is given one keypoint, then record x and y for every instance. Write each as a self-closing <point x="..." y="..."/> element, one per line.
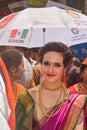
<point x="31" y="31"/>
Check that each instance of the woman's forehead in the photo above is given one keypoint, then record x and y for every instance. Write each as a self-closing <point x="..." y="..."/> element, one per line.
<point x="53" y="57"/>
<point x="53" y="54"/>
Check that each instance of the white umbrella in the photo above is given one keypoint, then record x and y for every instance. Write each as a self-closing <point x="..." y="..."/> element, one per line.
<point x="34" y="27"/>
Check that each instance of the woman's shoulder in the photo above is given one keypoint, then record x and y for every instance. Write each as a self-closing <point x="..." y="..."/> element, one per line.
<point x="18" y="85"/>
<point x="81" y="100"/>
<point x="82" y="97"/>
<point x="34" y="92"/>
<point x="29" y="96"/>
<point x="26" y="99"/>
<point x="73" y="88"/>
<point x="34" y="89"/>
<point x="31" y="92"/>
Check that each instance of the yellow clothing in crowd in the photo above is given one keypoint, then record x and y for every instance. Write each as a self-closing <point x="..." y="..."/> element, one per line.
<point x="17" y="89"/>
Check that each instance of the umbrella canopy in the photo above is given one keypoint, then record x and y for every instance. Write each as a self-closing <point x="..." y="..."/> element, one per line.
<point x="34" y="27"/>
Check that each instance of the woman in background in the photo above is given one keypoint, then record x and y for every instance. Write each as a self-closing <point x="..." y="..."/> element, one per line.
<point x="15" y="66"/>
<point x="73" y="72"/>
<point x="81" y="87"/>
<point x="50" y="106"/>
<point x="26" y="78"/>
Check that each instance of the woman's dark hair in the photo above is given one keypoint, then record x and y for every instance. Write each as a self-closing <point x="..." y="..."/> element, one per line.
<point x="11" y="58"/>
<point x="36" y="49"/>
<point x="82" y="67"/>
<point x="57" y="47"/>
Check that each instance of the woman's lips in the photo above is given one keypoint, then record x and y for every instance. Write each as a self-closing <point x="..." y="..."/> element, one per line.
<point x="51" y="75"/>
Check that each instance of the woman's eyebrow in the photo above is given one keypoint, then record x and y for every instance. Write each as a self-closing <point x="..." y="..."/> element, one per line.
<point x="52" y="62"/>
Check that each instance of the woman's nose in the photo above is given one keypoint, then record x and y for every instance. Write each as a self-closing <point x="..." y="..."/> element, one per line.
<point x="51" y="68"/>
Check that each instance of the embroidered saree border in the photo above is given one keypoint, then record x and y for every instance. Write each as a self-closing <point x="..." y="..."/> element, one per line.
<point x="75" y="113"/>
<point x="28" y="104"/>
<point x="26" y="100"/>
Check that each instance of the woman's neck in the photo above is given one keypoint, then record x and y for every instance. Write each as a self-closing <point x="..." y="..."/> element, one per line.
<point x="51" y="86"/>
<point x="11" y="77"/>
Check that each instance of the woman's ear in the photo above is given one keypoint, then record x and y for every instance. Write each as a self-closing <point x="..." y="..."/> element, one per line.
<point x="13" y="69"/>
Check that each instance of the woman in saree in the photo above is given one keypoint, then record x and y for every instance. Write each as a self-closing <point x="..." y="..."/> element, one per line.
<point x="14" y="63"/>
<point x="81" y="87"/>
<point x="50" y="106"/>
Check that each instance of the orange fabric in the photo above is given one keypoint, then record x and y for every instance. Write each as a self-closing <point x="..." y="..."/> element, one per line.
<point x="32" y="84"/>
<point x="84" y="61"/>
<point x="10" y="96"/>
<point x="73" y="88"/>
<point x="17" y="89"/>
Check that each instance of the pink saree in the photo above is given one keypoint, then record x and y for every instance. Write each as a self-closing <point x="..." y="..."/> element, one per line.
<point x="58" y="122"/>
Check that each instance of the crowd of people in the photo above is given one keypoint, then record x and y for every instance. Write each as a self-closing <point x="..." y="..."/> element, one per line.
<point x="47" y="86"/>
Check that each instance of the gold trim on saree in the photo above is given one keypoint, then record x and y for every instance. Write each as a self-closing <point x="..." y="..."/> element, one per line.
<point x="26" y="100"/>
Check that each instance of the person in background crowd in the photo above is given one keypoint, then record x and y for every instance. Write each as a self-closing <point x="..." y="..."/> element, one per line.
<point x="34" y="55"/>
<point x="76" y="62"/>
<point x="37" y="76"/>
<point x="26" y="53"/>
<point x="15" y="66"/>
<point x="81" y="87"/>
<point x="50" y="106"/>
<point x="73" y="72"/>
<point x="26" y="78"/>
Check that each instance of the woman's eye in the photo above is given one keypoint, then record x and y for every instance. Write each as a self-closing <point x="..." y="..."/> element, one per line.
<point x="46" y="63"/>
<point x="57" y="65"/>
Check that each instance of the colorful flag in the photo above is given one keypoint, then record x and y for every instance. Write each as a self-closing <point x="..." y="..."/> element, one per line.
<point x="13" y="33"/>
<point x="19" y="34"/>
<point x="24" y="33"/>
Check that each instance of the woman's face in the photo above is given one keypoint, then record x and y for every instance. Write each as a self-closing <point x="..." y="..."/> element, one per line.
<point x="19" y="71"/>
<point x="52" y="67"/>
